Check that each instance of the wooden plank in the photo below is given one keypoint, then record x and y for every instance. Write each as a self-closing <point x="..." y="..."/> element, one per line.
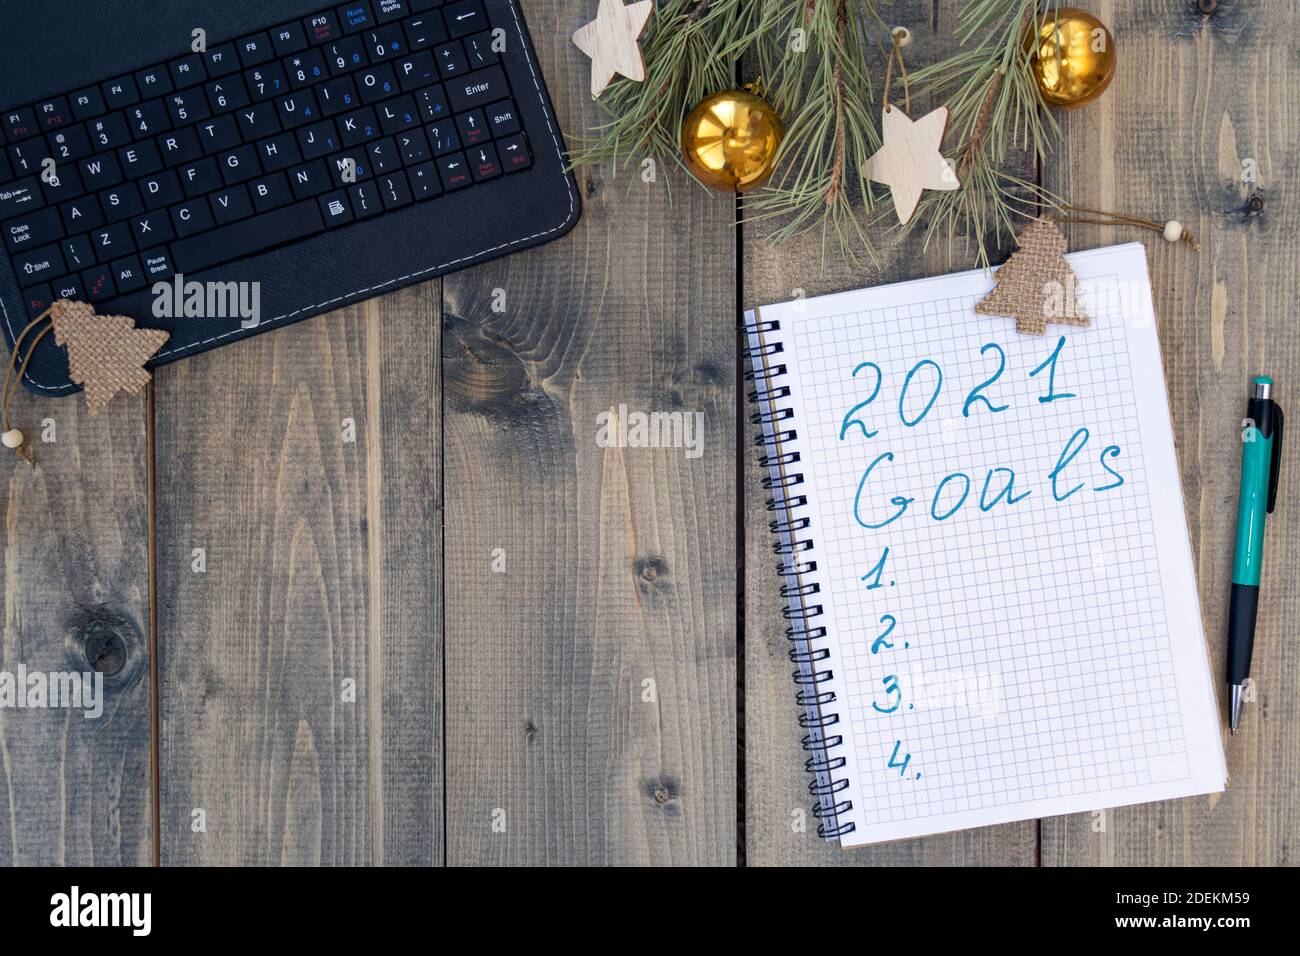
<point x="779" y="830"/>
<point x="76" y="790"/>
<point x="322" y="566"/>
<point x="1194" y="98"/>
<point x="619" y="563"/>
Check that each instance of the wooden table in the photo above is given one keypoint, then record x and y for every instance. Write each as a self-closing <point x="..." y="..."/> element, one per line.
<point x="620" y="693"/>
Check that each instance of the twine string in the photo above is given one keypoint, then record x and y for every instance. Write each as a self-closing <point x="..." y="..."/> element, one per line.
<point x="1103" y="217"/>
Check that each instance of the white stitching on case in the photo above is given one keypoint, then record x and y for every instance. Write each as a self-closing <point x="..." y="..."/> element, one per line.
<point x="410" y="275"/>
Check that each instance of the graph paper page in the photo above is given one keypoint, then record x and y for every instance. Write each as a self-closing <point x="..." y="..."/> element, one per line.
<point x="1001" y="551"/>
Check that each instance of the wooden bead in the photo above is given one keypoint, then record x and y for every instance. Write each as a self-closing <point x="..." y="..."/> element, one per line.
<point x="13" y="438"/>
<point x="902" y="34"/>
<point x="1173" y="230"/>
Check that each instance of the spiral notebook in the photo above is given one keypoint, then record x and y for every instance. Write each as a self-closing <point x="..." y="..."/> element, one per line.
<point x="984" y="554"/>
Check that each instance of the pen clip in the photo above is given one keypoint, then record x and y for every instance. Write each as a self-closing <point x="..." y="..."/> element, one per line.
<point x="1275" y="466"/>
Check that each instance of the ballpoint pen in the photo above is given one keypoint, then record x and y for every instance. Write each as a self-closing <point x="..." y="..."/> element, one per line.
<point x="1261" y="458"/>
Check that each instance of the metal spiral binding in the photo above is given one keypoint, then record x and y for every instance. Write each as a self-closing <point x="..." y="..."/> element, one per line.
<point x="817" y="716"/>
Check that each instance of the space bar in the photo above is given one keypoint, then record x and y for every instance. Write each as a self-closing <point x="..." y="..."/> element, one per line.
<point x="242" y="239"/>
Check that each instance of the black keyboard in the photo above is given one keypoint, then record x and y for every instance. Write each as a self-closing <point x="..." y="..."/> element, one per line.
<point x="356" y="112"/>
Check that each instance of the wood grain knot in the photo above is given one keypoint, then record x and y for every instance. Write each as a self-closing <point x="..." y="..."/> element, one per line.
<point x="1207" y="7"/>
<point x="650" y="570"/>
<point x="480" y="370"/>
<point x="1255" y="205"/>
<point x="107" y="641"/>
<point x="665" y="793"/>
<point x="531" y="730"/>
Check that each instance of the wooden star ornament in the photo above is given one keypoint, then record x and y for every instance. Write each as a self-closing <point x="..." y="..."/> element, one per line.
<point x="106" y="353"/>
<point x="611" y="41"/>
<point x="1036" y="284"/>
<point x="910" y="161"/>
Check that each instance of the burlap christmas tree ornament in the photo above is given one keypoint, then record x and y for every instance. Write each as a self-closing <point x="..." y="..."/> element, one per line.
<point x="106" y="353"/>
<point x="1036" y="285"/>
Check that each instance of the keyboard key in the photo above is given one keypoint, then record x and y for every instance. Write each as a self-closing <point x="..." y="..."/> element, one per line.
<point x="318" y="140"/>
<point x="348" y="168"/>
<point x="473" y="128"/>
<point x="414" y="147"/>
<point x="64" y="186"/>
<point x="305" y="69"/>
<point x="356" y="16"/>
<point x="38" y="265"/>
<point x="26" y="157"/>
<point x="334" y="208"/>
<point x="386" y="11"/>
<point x="483" y="162"/>
<point x="394" y="191"/>
<point x="464" y="17"/>
<point x="191" y="218"/>
<point x="231" y="205"/>
<point x="157" y="265"/>
<point x="69" y="287"/>
<point x="345" y="55"/>
<point x="478" y="89"/>
<point x="270" y="192"/>
<point x="112" y="241"/>
<point x="239" y="164"/>
<point x="424" y="180"/>
<point x="82" y="214"/>
<point x="53" y="114"/>
<point x="255" y="50"/>
<point x="451" y="60"/>
<point x="155" y="81"/>
<point x="109" y="132"/>
<point x="6" y="171"/>
<point x="503" y="118"/>
<point x="218" y="133"/>
<point x="383" y="156"/>
<point x="454" y="170"/>
<point x="199" y="178"/>
<point x="358" y="127"/>
<point x="148" y="119"/>
<point x="258" y="121"/>
<point x="98" y="283"/>
<point x="88" y="103"/>
<point x="322" y="27"/>
<point x="188" y="70"/>
<point x="386" y="43"/>
<point x="161" y="190"/>
<point x="417" y="71"/>
<point x="377" y="83"/>
<point x="309" y="179"/>
<point x="180" y="146"/>
<point x="296" y="109"/>
<point x="151" y="228"/>
<point x="432" y="102"/>
<point x="336" y="96"/>
<point x="279" y="152"/>
<point x="120" y="93"/>
<point x="121" y="203"/>
<point x="189" y="106"/>
<point x="38" y="299"/>
<point x="221" y="60"/>
<point x="399" y="115"/>
<point x="479" y="52"/>
<point x="365" y="200"/>
<point x="20" y="197"/>
<point x="128" y="274"/>
<point x="266" y="82"/>
<point x="226" y="94"/>
<point x="288" y="39"/>
<point x="419" y="6"/>
<point x="513" y="151"/>
<point x="424" y="32"/>
<point x="37" y="228"/>
<point x="247" y="237"/>
<point x="20" y="124"/>
<point x="78" y="253"/>
<point x="68" y="145"/>
<point x="100" y="172"/>
<point x="442" y="137"/>
<point x="139" y="160"/>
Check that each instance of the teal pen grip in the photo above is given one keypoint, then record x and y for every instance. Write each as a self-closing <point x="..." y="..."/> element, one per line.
<point x="1252" y="503"/>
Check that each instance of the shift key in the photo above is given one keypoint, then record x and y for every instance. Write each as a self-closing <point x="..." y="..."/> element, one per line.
<point x="39" y="265"/>
<point x="477" y="89"/>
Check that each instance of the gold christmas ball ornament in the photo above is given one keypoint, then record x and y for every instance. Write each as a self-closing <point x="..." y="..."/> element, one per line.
<point x="1072" y="56"/>
<point x="730" y="139"/>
